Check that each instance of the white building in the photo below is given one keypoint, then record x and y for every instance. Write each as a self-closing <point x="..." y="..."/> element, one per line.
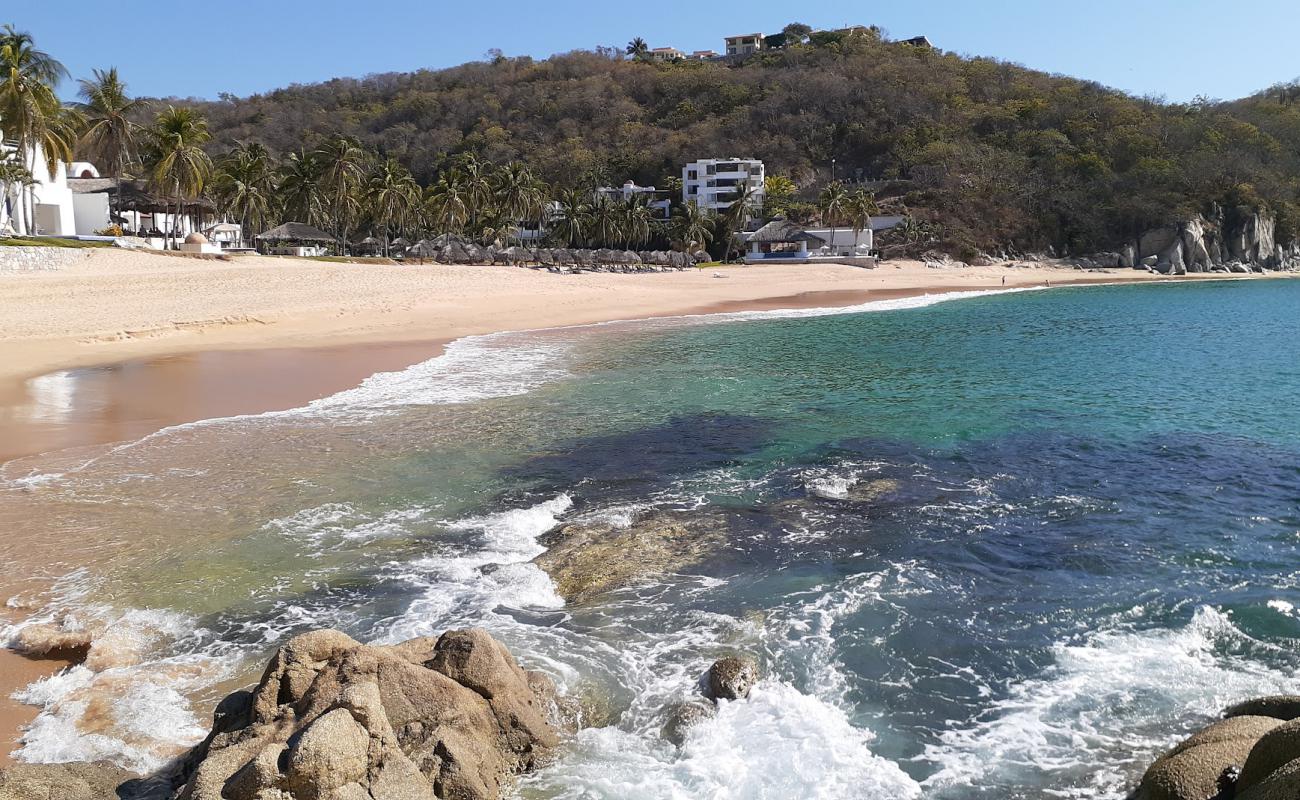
<point x="54" y="213"/>
<point x="744" y="43"/>
<point x="661" y="207"/>
<point x="714" y="184"/>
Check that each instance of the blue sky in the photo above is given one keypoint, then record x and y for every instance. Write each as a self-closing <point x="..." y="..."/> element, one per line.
<point x="1172" y="48"/>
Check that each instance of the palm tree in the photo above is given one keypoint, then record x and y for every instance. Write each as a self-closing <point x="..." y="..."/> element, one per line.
<point x="519" y="198"/>
<point x="638" y="49"/>
<point x="111" y="137"/>
<point x="692" y="226"/>
<point x="391" y="195"/>
<point x="569" y="223"/>
<point x="30" y="112"/>
<point x="298" y="189"/>
<point x="604" y="222"/>
<point x="244" y="187"/>
<point x="446" y="203"/>
<point x="636" y="222"/>
<point x="859" y="208"/>
<point x="832" y="201"/>
<point x="181" y="167"/>
<point x="475" y="180"/>
<point x="342" y="163"/>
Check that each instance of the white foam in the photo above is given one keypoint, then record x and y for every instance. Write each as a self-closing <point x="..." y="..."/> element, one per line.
<point x="778" y="744"/>
<point x="1282" y="607"/>
<point x="463" y="587"/>
<point x="1105" y="708"/>
<point x="128" y="702"/>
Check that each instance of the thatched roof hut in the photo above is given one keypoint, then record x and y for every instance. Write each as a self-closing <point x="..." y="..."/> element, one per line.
<point x="295" y="232"/>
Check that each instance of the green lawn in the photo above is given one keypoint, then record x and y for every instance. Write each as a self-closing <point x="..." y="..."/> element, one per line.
<point x="49" y="241"/>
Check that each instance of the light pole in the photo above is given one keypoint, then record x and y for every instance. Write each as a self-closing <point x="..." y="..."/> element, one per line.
<point x="832" y="170"/>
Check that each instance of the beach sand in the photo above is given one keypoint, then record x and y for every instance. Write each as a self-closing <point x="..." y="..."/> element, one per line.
<point x="139" y="341"/>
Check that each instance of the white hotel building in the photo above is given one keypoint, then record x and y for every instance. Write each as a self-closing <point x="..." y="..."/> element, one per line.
<point x="714" y="183"/>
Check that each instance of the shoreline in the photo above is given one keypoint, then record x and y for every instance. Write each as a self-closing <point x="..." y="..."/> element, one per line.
<point x="322" y="365"/>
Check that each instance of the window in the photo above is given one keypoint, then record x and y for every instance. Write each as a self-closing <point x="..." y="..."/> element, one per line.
<point x="691" y="175"/>
<point x="711" y="170"/>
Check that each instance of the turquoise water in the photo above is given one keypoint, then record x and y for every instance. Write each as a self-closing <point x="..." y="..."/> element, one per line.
<point x="996" y="547"/>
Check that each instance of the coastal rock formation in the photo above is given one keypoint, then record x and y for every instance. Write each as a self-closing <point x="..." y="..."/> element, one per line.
<point x="587" y="558"/>
<point x="1241" y="241"/>
<point x="681" y="717"/>
<point x="1253" y="754"/>
<point x="97" y="781"/>
<point x="332" y="719"/>
<point x="730" y="678"/>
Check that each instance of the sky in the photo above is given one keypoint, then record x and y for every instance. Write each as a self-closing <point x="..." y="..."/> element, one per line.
<point x="1176" y="49"/>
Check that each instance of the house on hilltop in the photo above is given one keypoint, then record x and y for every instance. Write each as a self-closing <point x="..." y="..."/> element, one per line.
<point x="666" y="54"/>
<point x="744" y="43"/>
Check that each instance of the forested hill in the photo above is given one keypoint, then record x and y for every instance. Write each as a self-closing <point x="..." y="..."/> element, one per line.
<point x="995" y="153"/>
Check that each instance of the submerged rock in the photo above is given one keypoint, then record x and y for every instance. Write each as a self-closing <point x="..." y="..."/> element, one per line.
<point x="730" y="678"/>
<point x="587" y="559"/>
<point x="332" y="719"/>
<point x="681" y="717"/>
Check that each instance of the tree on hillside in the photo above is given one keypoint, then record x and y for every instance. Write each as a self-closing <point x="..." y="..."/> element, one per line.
<point x="638" y="49"/>
<point x="180" y="166"/>
<point x="112" y="137"/>
<point x="796" y="33"/>
<point x="518" y="195"/>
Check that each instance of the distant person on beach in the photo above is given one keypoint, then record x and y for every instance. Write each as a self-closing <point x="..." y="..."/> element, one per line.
<point x="1004" y="280"/>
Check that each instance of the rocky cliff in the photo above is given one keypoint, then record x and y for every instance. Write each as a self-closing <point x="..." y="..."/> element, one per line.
<point x="1241" y="241"/>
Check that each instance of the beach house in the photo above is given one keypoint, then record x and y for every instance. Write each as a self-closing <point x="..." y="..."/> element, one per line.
<point x="666" y="54"/>
<point x="784" y="241"/>
<point x="714" y="184"/>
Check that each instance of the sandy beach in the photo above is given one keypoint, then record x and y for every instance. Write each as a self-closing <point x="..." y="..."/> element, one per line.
<point x="152" y="341"/>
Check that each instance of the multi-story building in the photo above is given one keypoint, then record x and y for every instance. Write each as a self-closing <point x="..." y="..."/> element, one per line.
<point x="666" y="54"/>
<point x="658" y="203"/>
<point x="714" y="184"/>
<point x="744" y="43"/>
<point x="703" y="55"/>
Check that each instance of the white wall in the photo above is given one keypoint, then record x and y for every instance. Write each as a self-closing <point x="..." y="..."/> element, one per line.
<point x="90" y="212"/>
<point x="54" y="214"/>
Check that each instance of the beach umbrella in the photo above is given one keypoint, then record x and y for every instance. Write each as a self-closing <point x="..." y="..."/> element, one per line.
<point x="545" y="257"/>
<point x="475" y="254"/>
<point x="606" y="256"/>
<point x="562" y="255"/>
<point x="631" y="257"/>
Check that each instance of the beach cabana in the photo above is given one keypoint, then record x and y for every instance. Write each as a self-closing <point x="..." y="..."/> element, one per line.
<point x="294" y="239"/>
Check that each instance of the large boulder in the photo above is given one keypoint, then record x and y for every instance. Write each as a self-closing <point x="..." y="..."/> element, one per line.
<point x="97" y="781"/>
<point x="1275" y="749"/>
<point x="730" y="678"/>
<point x="1281" y="784"/>
<point x="1192" y="769"/>
<point x="1279" y="706"/>
<point x="332" y="719"/>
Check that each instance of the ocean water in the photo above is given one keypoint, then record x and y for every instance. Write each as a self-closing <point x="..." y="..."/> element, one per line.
<point x="984" y="546"/>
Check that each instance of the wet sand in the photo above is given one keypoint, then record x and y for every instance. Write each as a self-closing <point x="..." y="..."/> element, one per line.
<point x="88" y="406"/>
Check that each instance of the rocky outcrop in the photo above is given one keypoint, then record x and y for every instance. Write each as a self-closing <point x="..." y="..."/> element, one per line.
<point x="730" y="678"/>
<point x="97" y="781"/>
<point x="1243" y="241"/>
<point x="1253" y="754"/>
<point x="332" y="719"/>
<point x="586" y="559"/>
